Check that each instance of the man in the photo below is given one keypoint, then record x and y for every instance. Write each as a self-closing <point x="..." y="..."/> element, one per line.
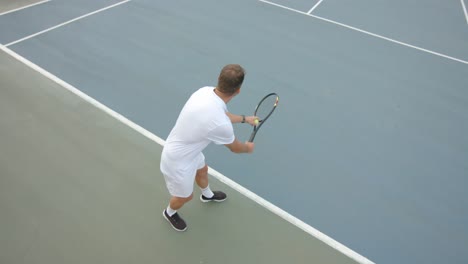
<point x="203" y="119"/>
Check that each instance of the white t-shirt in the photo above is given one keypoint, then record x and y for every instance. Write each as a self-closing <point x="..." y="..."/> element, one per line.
<point x="202" y="120"/>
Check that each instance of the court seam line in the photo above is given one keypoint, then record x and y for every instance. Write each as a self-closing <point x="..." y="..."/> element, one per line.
<point x="464" y="10"/>
<point x="315" y="6"/>
<point x="23" y="7"/>
<point x="367" y="32"/>
<point x="67" y="22"/>
<point x="222" y="178"/>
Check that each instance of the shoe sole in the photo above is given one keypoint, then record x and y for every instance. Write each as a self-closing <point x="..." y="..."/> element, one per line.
<point x="179" y="230"/>
<point x="207" y="201"/>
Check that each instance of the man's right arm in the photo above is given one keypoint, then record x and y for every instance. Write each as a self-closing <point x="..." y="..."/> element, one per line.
<point x="239" y="147"/>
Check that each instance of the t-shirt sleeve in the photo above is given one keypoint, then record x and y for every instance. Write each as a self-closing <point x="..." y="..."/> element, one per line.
<point x="223" y="134"/>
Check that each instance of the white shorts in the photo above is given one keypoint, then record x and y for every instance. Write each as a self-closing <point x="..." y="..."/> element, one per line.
<point x="179" y="180"/>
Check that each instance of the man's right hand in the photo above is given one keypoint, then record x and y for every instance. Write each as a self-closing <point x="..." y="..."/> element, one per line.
<point x="250" y="147"/>
<point x="239" y="147"/>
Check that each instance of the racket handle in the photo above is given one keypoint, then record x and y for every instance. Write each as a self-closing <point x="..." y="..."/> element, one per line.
<point x="252" y="137"/>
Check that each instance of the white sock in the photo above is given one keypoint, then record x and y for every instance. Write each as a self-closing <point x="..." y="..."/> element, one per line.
<point x="207" y="192"/>
<point x="170" y="211"/>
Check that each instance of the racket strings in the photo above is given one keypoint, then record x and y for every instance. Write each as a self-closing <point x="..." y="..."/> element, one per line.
<point x="265" y="107"/>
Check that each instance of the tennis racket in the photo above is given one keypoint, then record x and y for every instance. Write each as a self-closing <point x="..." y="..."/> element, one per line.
<point x="263" y="111"/>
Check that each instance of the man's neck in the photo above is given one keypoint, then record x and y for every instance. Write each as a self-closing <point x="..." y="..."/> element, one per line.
<point x="223" y="96"/>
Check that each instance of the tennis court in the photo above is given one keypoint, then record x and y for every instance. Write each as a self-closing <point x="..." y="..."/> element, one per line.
<point x="363" y="161"/>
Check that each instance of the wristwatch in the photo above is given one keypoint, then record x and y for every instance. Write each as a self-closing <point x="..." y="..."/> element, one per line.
<point x="243" y="119"/>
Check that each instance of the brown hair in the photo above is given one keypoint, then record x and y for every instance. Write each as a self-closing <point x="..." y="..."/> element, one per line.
<point x="230" y="79"/>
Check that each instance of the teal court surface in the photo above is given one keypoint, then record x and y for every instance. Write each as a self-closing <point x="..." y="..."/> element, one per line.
<point x="364" y="161"/>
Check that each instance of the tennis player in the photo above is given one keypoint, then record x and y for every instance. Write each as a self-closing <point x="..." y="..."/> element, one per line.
<point x="203" y="119"/>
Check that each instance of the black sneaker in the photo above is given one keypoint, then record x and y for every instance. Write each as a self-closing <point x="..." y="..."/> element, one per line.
<point x="176" y="221"/>
<point x="217" y="197"/>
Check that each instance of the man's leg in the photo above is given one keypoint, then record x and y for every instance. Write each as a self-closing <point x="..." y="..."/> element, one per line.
<point x="177" y="202"/>
<point x="202" y="177"/>
<point x="207" y="195"/>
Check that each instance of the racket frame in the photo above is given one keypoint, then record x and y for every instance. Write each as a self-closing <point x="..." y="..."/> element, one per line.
<point x="261" y="122"/>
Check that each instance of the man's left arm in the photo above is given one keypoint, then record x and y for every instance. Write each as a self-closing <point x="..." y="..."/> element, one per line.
<point x="241" y="118"/>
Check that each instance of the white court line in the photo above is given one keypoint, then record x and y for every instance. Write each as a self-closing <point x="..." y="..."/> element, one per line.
<point x="315" y="6"/>
<point x="262" y="202"/>
<point x="65" y="23"/>
<point x="464" y="10"/>
<point x="23" y="7"/>
<point x="367" y="32"/>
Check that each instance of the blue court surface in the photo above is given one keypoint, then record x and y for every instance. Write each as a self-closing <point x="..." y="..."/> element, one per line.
<point x="369" y="141"/>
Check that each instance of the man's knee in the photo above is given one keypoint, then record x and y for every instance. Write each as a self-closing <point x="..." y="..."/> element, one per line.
<point x="203" y="171"/>
<point x="183" y="200"/>
<point x="189" y="198"/>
